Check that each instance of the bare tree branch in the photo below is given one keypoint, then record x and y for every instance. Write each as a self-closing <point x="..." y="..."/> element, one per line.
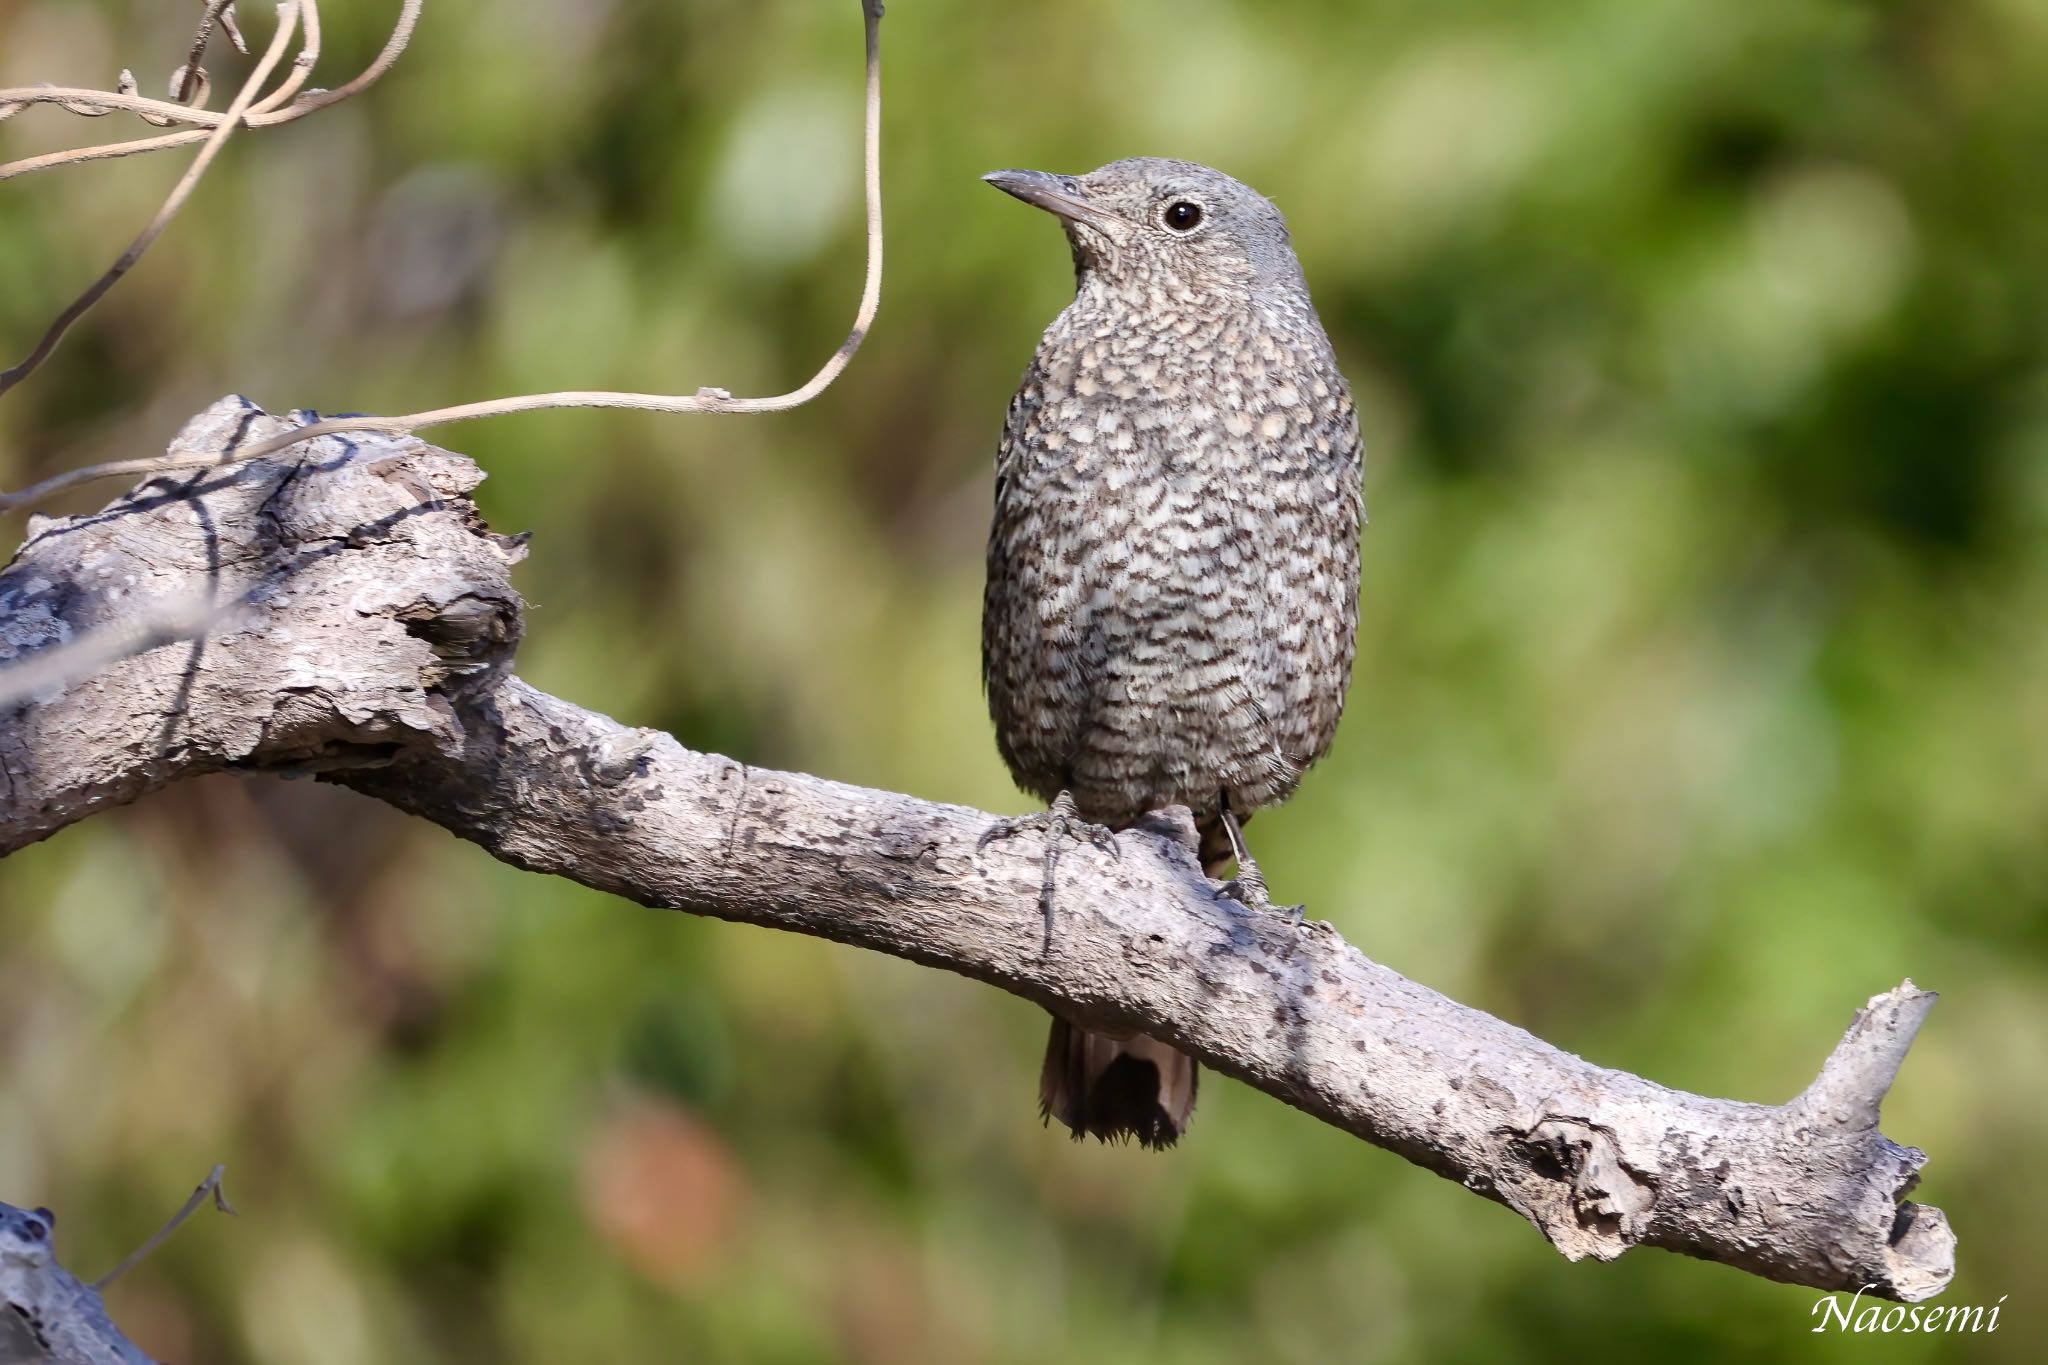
<point x="375" y="649"/>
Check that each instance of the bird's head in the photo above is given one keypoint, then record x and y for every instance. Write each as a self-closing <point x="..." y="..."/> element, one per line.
<point x="1170" y="225"/>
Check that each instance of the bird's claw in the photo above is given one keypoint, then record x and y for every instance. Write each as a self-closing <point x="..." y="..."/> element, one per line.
<point x="1002" y="829"/>
<point x="1060" y="822"/>
<point x="1102" y="836"/>
<point x="1055" y="824"/>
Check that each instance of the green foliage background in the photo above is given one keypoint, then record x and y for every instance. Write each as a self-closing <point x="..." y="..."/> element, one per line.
<point x="1703" y="353"/>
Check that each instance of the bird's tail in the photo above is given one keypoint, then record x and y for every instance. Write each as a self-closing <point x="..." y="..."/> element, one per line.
<point x="1116" y="1088"/>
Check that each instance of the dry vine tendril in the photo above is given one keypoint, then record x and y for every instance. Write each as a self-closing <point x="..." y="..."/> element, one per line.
<point x="704" y="400"/>
<point x="287" y="24"/>
<point x="249" y="109"/>
<point x="285" y="105"/>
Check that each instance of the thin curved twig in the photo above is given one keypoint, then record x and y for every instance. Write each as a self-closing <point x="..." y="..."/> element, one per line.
<point x="401" y="34"/>
<point x="55" y="667"/>
<point x="181" y="107"/>
<point x="258" y="116"/>
<point x="101" y="151"/>
<point x="302" y="64"/>
<point x="181" y="89"/>
<point x="287" y="23"/>
<point x="87" y="102"/>
<point x="208" y="1188"/>
<point x="704" y="400"/>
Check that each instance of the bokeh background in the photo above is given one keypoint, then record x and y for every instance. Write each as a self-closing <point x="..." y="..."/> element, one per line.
<point x="1703" y="356"/>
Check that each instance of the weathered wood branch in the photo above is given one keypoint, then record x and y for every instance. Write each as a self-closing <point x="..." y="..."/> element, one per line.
<point x="363" y="630"/>
<point x="48" y="1316"/>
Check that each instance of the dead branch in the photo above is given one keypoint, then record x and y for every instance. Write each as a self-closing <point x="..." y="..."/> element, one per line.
<point x="375" y="649"/>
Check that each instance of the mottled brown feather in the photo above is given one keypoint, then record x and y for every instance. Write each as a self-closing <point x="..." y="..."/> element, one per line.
<point x="1172" y="592"/>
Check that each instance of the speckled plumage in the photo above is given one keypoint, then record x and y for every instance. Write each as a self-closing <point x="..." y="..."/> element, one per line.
<point x="1173" y="567"/>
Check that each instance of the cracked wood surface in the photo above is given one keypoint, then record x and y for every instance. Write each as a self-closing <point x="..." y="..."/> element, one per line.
<point x="363" y="630"/>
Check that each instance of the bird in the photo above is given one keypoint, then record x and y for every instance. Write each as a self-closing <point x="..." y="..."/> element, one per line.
<point x="1171" y="610"/>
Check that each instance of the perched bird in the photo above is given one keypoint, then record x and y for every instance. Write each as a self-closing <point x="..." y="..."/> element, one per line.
<point x="1172" y="595"/>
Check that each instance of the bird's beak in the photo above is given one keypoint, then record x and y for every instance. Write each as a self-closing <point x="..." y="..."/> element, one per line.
<point x="1059" y="195"/>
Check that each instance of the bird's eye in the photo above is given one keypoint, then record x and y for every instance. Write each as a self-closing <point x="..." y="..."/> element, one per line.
<point x="1183" y="215"/>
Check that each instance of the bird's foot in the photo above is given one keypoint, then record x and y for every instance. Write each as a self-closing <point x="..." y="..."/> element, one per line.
<point x="1060" y="822"/>
<point x="1053" y="826"/>
<point x="1248" y="887"/>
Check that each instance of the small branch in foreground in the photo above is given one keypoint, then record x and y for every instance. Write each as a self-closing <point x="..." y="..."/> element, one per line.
<point x="54" y="668"/>
<point x="187" y="86"/>
<point x="208" y="1188"/>
<point x="264" y="114"/>
<point x="705" y="400"/>
<point x="302" y="64"/>
<point x="376" y="650"/>
<point x="287" y="21"/>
